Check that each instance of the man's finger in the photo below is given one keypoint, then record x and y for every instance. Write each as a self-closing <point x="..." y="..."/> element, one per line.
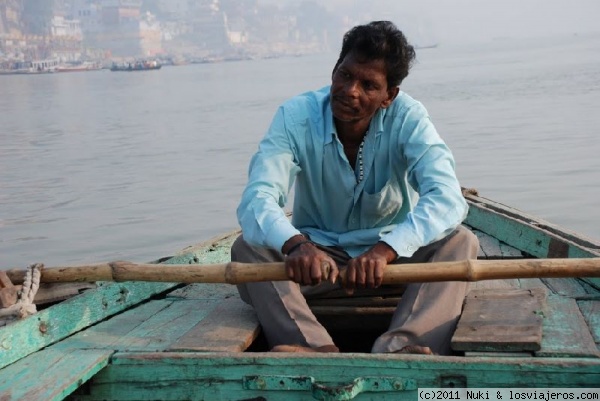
<point x="289" y="270"/>
<point x="297" y="274"/>
<point x="379" y="275"/>
<point x="316" y="273"/>
<point x="370" y="277"/>
<point x="333" y="273"/>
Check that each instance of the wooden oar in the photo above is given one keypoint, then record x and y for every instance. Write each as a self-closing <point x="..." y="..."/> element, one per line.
<point x="237" y="273"/>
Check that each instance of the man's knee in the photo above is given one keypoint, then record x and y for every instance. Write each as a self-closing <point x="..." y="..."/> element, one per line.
<point x="467" y="241"/>
<point x="239" y="247"/>
<point x="461" y="244"/>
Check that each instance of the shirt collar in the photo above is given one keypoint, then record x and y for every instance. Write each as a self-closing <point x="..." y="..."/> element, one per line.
<point x="376" y="124"/>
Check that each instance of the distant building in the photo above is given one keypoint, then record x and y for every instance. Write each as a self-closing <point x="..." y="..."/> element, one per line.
<point x="89" y="14"/>
<point x="119" y="27"/>
<point x="61" y="27"/>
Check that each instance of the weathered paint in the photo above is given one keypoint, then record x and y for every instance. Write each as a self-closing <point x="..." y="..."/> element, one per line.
<point x="52" y="375"/>
<point x="528" y="234"/>
<point x="62" y="320"/>
<point x="194" y="376"/>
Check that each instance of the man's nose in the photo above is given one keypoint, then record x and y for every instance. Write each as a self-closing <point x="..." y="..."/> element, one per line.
<point x="352" y="88"/>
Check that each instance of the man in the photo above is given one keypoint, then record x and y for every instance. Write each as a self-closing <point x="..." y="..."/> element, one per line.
<point x="356" y="150"/>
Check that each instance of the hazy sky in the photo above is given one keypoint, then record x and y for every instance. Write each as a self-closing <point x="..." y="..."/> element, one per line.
<point x="481" y="20"/>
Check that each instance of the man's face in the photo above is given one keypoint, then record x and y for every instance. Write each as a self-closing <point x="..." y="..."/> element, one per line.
<point x="359" y="88"/>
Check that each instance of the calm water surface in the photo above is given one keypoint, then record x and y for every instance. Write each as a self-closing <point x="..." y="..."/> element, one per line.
<point x="102" y="166"/>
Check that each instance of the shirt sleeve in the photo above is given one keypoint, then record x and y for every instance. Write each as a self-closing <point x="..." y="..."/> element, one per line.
<point x="431" y="173"/>
<point x="271" y="174"/>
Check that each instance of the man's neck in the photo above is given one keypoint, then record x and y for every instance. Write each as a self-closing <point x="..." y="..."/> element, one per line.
<point x="351" y="133"/>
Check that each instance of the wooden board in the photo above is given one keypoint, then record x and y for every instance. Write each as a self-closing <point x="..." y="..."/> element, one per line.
<point x="570" y="287"/>
<point x="230" y="327"/>
<point x="217" y="376"/>
<point x="566" y="333"/>
<point x="50" y="325"/>
<point x="591" y="314"/>
<point x="51" y="374"/>
<point x="529" y="234"/>
<point x="491" y="248"/>
<point x="53" y="324"/>
<point x="501" y="320"/>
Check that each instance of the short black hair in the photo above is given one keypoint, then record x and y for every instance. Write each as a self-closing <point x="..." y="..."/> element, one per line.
<point x="380" y="40"/>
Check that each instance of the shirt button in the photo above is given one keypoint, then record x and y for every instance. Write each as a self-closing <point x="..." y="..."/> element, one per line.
<point x="410" y="248"/>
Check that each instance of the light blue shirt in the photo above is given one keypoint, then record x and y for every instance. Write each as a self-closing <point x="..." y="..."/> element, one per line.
<point x="403" y="155"/>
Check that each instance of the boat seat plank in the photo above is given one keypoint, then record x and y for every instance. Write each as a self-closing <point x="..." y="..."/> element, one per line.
<point x="231" y="327"/>
<point x="566" y="333"/>
<point x="501" y="320"/>
<point x="51" y="374"/>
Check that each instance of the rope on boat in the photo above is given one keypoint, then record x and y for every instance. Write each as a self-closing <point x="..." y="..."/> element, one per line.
<point x="24" y="305"/>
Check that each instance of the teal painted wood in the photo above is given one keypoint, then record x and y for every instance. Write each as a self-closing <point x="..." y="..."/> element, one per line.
<point x="521" y="235"/>
<point x="155" y="325"/>
<point x="591" y="313"/>
<point x="529" y="234"/>
<point x="569" y="287"/>
<point x="51" y="375"/>
<point x="204" y="291"/>
<point x="492" y="248"/>
<point x="62" y="320"/>
<point x="193" y="376"/>
<point x="565" y="332"/>
<point x="156" y="333"/>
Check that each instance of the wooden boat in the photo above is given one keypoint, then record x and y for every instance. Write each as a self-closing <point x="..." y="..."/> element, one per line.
<point x="169" y="341"/>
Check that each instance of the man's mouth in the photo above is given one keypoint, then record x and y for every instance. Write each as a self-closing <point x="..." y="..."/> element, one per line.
<point x="345" y="105"/>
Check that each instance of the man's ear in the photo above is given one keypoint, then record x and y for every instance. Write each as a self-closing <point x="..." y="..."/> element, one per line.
<point x="392" y="93"/>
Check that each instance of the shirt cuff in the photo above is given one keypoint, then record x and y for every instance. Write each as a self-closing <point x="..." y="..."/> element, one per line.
<point x="403" y="241"/>
<point x="279" y="233"/>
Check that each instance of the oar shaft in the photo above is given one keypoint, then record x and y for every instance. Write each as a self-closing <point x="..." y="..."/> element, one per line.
<point x="85" y="273"/>
<point x="479" y="270"/>
<point x="237" y="273"/>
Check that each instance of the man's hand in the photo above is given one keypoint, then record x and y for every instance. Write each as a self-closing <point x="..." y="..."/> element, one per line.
<point x="306" y="264"/>
<point x="366" y="270"/>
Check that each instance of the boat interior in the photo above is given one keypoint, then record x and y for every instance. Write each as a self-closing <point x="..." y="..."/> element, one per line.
<point x="110" y="332"/>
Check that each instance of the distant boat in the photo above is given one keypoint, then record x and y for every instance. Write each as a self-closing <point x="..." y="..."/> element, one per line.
<point x="85" y="66"/>
<point x="142" y="65"/>
<point x="32" y="67"/>
<point x="427" y="46"/>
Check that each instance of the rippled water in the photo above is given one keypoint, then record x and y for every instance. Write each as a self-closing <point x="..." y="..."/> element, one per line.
<point x="101" y="166"/>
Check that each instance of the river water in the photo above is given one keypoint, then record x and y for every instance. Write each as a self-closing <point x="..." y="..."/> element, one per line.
<point x="101" y="166"/>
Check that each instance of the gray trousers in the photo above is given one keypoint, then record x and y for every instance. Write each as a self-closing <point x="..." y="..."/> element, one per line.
<point x="426" y="315"/>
